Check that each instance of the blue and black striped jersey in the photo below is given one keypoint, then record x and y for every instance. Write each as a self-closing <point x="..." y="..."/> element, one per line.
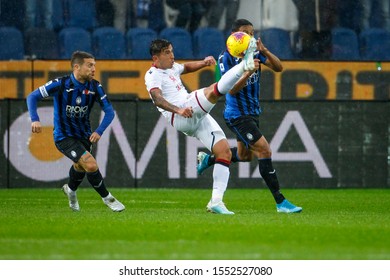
<point x="247" y="100"/>
<point x="73" y="102"/>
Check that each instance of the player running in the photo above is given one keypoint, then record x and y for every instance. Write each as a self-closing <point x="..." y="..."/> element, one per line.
<point x="74" y="97"/>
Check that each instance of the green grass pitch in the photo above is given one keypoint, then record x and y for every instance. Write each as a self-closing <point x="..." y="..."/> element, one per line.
<point x="172" y="224"/>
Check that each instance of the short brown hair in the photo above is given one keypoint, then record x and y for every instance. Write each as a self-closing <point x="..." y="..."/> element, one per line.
<point x="79" y="56"/>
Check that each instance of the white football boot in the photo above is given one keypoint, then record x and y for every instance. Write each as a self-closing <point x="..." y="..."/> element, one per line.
<point x="249" y="63"/>
<point x="113" y="203"/>
<point x="73" y="202"/>
<point x="218" y="208"/>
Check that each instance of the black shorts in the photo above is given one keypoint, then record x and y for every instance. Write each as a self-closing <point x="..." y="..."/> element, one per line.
<point x="246" y="129"/>
<point x="74" y="148"/>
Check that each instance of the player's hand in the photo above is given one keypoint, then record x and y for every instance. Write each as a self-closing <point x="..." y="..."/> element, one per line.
<point x="209" y="61"/>
<point x="260" y="45"/>
<point x="186" y="112"/>
<point x="94" y="137"/>
<point x="36" y="127"/>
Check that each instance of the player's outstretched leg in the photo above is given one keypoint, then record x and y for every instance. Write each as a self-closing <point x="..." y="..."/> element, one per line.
<point x="72" y="197"/>
<point x="227" y="81"/>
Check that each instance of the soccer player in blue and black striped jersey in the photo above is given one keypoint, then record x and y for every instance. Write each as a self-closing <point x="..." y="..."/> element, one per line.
<point x="241" y="114"/>
<point x="74" y="97"/>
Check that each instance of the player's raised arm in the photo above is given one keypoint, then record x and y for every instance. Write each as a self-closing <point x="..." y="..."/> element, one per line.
<point x="193" y="66"/>
<point x="272" y="61"/>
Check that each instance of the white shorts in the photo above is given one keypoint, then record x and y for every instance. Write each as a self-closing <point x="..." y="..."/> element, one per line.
<point x="201" y="125"/>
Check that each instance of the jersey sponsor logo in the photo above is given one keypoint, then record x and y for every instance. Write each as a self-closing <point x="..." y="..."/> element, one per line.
<point x="76" y="111"/>
<point x="86" y="92"/>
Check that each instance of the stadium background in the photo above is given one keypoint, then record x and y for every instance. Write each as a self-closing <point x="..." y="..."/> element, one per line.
<point x="327" y="122"/>
<point x="325" y="132"/>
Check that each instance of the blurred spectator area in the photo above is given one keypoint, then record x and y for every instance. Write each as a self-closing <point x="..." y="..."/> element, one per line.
<point x="123" y="29"/>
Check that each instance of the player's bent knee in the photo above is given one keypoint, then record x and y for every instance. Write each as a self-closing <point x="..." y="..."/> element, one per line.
<point x="222" y="150"/>
<point x="89" y="166"/>
<point x="92" y="167"/>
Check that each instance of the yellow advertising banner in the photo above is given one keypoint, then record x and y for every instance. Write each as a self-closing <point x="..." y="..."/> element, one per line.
<point x="333" y="80"/>
<point x="299" y="80"/>
<point x="15" y="77"/>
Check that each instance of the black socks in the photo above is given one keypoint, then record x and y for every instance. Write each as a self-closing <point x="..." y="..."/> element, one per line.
<point x="269" y="175"/>
<point x="75" y="178"/>
<point x="96" y="180"/>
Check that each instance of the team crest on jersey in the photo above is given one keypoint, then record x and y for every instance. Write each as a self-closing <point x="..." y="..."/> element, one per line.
<point x="86" y="92"/>
<point x="73" y="153"/>
<point x="249" y="136"/>
<point x="78" y="100"/>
